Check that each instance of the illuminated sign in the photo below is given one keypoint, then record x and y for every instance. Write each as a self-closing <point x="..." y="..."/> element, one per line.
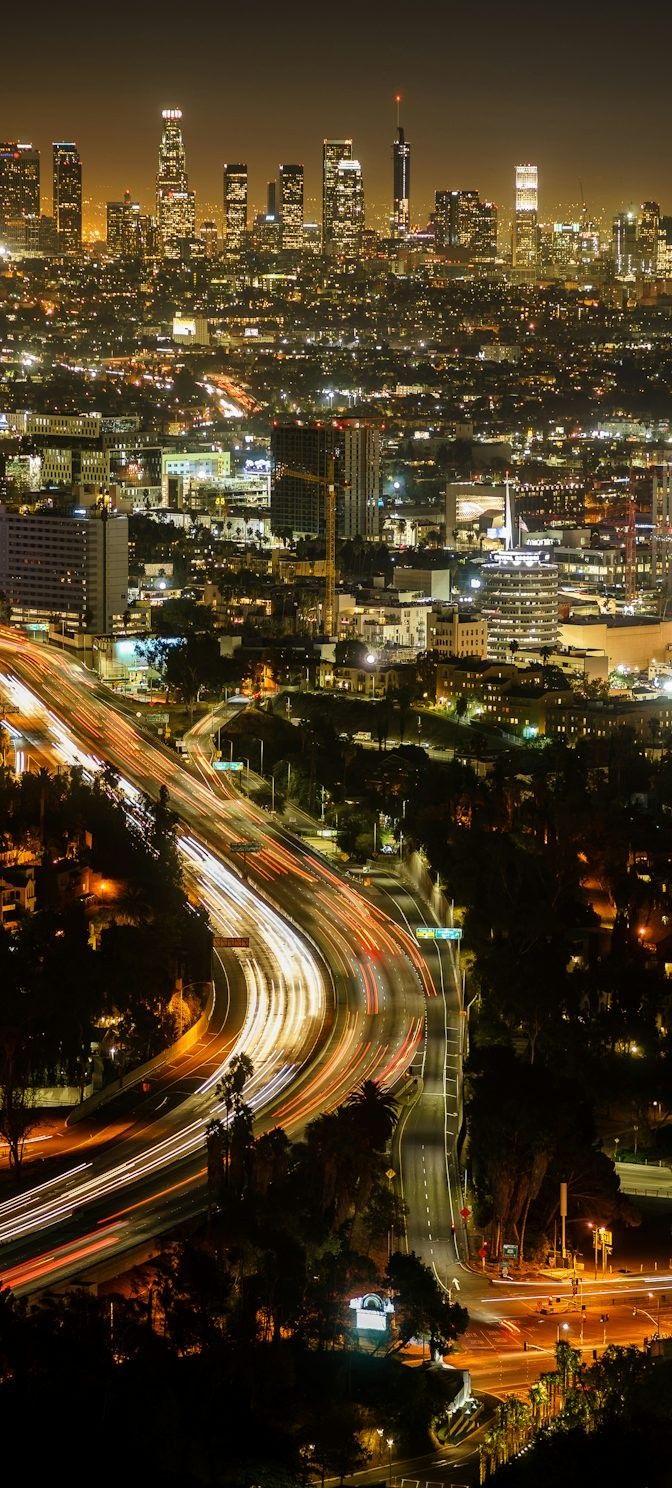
<point x="371" y="1312"/>
<point x="227" y="764"/>
<point x="231" y="942"/>
<point x="438" y="932"/>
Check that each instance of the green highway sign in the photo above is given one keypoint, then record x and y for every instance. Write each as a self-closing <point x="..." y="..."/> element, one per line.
<point x="245" y="847"/>
<point x="438" y="932"/>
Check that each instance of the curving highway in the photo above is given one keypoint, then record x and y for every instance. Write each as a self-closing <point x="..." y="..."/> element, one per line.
<point x="331" y="991"/>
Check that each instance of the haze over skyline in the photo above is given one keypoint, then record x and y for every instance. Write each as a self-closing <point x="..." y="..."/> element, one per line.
<point x="584" y="98"/>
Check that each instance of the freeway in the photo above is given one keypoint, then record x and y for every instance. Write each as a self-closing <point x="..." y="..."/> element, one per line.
<point x="335" y="991"/>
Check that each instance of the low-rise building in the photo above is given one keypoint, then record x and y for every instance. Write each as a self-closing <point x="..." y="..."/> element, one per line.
<point x="17" y="893"/>
<point x="455" y="632"/>
<point x="626" y="640"/>
<point x="581" y="718"/>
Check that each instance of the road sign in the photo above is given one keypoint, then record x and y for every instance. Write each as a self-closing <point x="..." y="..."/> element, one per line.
<point x="227" y="765"/>
<point x="231" y="942"/>
<point x="510" y="1252"/>
<point x="245" y="847"/>
<point x="438" y="932"/>
<point x="465" y="1212"/>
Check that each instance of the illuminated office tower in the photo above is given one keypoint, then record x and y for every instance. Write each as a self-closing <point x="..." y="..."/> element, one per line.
<point x="526" y="218"/>
<point x="625" y="245"/>
<point x="68" y="197"/>
<point x="115" y="226"/>
<point x="333" y="152"/>
<point x="19" y="182"/>
<point x="648" y="229"/>
<point x="485" y="232"/>
<point x="235" y="207"/>
<point x="291" y="206"/>
<point x="401" y="183"/>
<point x="209" y="238"/>
<point x="175" y="203"/>
<point x="664" y="256"/>
<point x="462" y="220"/>
<point x="128" y="229"/>
<point x="349" y="221"/>
<point x="445" y="219"/>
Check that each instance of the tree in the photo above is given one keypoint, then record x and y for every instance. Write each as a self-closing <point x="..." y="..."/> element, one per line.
<point x="235" y="1128"/>
<point x="422" y="1309"/>
<point x="18" y="1114"/>
<point x="375" y="1114"/>
<point x="182" y="617"/>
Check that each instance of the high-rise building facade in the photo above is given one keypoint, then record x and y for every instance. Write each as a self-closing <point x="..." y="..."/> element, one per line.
<point x="67" y="197"/>
<point x="175" y="203"/>
<point x="648" y="230"/>
<point x="129" y="229"/>
<point x="298" y="504"/>
<point x="235" y="207"/>
<point x="349" y="219"/>
<point x="526" y="218"/>
<point x="625" y="243"/>
<point x="462" y="220"/>
<point x="401" y="185"/>
<point x="290" y="207"/>
<point x="333" y="152"/>
<point x="65" y="567"/>
<point x="485" y="243"/>
<point x="19" y="182"/>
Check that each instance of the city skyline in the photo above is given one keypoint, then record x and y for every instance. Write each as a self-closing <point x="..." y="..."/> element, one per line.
<point x="523" y="93"/>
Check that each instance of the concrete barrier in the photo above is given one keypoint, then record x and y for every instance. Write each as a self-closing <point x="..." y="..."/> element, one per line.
<point x="145" y="1071"/>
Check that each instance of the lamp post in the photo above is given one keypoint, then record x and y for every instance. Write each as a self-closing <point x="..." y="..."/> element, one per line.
<point x="390" y="1444"/>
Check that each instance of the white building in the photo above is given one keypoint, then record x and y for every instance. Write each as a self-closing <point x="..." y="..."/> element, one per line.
<point x="183" y="471"/>
<point x="520" y="602"/>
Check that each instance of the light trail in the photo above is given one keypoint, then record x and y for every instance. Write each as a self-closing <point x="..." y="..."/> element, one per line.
<point x="333" y="992"/>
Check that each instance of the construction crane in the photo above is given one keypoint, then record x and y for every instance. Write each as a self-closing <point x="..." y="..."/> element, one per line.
<point x="328" y="484"/>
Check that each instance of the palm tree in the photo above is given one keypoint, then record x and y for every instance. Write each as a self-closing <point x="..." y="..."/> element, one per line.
<point x="375" y="1113"/>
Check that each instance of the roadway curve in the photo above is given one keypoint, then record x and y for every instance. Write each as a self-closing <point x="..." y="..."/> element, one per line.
<point x="333" y="990"/>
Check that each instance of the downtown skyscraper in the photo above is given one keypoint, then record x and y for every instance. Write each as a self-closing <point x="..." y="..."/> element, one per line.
<point x="235" y="207"/>
<point x="526" y="219"/>
<point x="290" y="206"/>
<point x="67" y="197"/>
<point x="401" y="183"/>
<point x="175" y="203"/>
<point x="333" y="152"/>
<point x="19" y="182"/>
<point x="349" y="222"/>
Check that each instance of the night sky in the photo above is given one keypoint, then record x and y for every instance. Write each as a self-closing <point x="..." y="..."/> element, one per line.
<point x="580" y="89"/>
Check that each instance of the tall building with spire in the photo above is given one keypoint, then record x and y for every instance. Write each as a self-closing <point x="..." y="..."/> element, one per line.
<point x="401" y="182"/>
<point x="333" y="152"/>
<point x="67" y="196"/>
<point x="175" y="203"/>
<point x="526" y="218"/>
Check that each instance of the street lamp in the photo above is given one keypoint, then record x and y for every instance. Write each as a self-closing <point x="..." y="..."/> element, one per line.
<point x="390" y="1444"/>
<point x="561" y="1328"/>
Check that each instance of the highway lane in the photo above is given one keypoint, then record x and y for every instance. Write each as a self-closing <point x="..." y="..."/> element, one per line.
<point x="340" y="999"/>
